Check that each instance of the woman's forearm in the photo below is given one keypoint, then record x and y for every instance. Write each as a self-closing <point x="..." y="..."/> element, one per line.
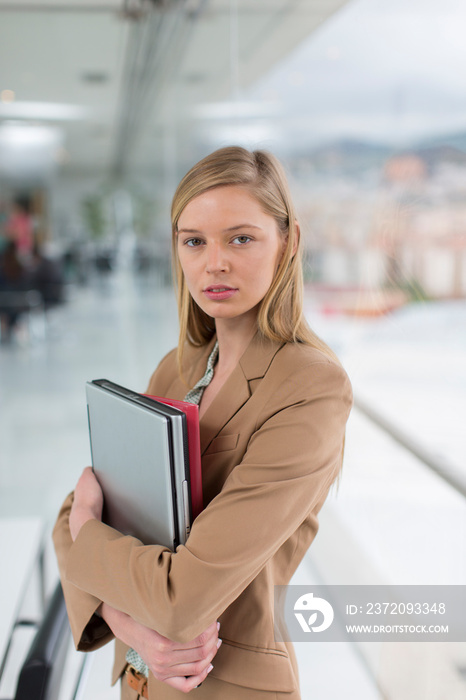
<point x="182" y="666"/>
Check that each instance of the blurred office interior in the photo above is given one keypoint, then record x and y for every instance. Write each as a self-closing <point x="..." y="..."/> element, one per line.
<point x="104" y="105"/>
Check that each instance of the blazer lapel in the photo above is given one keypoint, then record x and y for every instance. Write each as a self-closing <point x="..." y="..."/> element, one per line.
<point x="194" y="366"/>
<point x="236" y="391"/>
<point x="231" y="397"/>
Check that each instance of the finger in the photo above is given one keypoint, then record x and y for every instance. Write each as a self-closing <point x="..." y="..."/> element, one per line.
<point x="88" y="491"/>
<point x="192" y="669"/>
<point x="86" y="474"/>
<point x="179" y="657"/>
<point x="185" y="685"/>
<point x="84" y="482"/>
<point x="90" y="480"/>
<point x="210" y="635"/>
<point x="187" y="652"/>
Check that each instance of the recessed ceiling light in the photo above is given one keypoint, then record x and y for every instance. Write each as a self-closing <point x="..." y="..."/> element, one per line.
<point x="234" y="110"/>
<point x="49" y="111"/>
<point x="95" y="77"/>
<point x="333" y="53"/>
<point x="99" y="131"/>
<point x="23" y="136"/>
<point x="7" y="96"/>
<point x="61" y="155"/>
<point x="195" y="78"/>
<point x="296" y="78"/>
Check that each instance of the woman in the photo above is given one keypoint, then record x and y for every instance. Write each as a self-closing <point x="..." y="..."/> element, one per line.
<point x="273" y="404"/>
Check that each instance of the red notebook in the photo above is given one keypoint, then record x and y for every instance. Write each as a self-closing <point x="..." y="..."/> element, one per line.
<point x="191" y="412"/>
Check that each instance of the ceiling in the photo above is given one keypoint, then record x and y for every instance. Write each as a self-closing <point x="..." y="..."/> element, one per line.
<point x="124" y="85"/>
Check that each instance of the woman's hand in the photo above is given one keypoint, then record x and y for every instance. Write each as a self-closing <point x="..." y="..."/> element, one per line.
<point x="182" y="666"/>
<point x="87" y="503"/>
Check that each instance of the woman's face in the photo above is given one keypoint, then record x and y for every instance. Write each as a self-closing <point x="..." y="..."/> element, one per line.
<point x="229" y="250"/>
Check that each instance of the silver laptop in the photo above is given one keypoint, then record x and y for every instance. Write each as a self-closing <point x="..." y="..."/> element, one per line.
<point x="140" y="457"/>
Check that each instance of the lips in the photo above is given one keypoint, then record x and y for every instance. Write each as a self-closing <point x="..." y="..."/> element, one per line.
<point x="218" y="288"/>
<point x="219" y="292"/>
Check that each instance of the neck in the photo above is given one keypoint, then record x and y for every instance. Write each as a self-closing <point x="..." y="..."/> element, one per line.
<point x="234" y="336"/>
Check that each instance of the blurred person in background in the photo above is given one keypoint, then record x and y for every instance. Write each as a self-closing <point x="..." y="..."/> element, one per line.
<point x="46" y="277"/>
<point x="19" y="227"/>
<point x="14" y="277"/>
<point x="3" y="220"/>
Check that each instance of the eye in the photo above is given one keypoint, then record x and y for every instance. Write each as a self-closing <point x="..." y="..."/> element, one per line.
<point x="241" y="240"/>
<point x="193" y="242"/>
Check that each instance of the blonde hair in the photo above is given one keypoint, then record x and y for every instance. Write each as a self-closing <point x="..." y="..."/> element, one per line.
<point x="280" y="316"/>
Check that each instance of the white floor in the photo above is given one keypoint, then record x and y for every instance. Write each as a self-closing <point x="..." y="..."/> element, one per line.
<point x="391" y="519"/>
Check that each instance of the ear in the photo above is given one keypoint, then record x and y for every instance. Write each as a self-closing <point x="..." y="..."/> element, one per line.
<point x="298" y="236"/>
<point x="296" y="243"/>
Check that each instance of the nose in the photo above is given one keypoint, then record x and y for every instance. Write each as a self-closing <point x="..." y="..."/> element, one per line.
<point x="217" y="259"/>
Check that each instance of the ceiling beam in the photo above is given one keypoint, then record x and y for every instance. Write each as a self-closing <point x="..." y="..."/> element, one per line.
<point x="19" y="6"/>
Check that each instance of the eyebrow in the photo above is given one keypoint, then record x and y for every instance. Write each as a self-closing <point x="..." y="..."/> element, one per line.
<point x="227" y="230"/>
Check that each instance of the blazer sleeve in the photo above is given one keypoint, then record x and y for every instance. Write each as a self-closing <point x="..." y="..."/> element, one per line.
<point x="292" y="458"/>
<point x="89" y="630"/>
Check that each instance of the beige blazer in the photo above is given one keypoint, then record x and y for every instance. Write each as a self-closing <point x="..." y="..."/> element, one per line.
<point x="271" y="446"/>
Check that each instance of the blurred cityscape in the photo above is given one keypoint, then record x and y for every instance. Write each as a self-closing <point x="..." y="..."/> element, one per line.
<point x="389" y="224"/>
<point x="381" y="226"/>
